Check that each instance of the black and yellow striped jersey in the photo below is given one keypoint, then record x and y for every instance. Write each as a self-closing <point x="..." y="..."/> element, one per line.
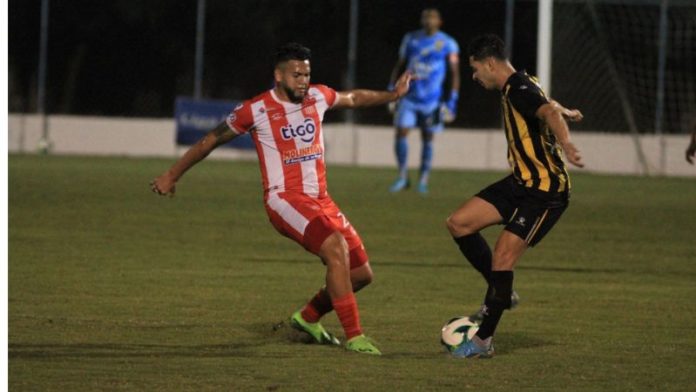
<point x="534" y="156"/>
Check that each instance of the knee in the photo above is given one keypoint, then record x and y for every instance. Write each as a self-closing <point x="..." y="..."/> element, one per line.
<point x="451" y="225"/>
<point x="457" y="228"/>
<point x="401" y="132"/>
<point x="362" y="282"/>
<point x="365" y="278"/>
<point x="361" y="279"/>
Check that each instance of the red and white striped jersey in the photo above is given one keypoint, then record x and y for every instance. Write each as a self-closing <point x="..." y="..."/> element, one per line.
<point x="288" y="138"/>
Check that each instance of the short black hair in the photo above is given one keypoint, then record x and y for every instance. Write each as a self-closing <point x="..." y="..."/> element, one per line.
<point x="487" y="45"/>
<point x="291" y="51"/>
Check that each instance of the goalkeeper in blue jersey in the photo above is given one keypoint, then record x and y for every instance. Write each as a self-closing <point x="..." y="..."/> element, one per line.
<point x="428" y="54"/>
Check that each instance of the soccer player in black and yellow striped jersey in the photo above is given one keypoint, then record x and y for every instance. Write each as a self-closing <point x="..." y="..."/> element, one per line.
<point x="530" y="200"/>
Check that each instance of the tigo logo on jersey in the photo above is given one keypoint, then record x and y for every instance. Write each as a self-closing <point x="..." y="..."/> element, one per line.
<point x="305" y="131"/>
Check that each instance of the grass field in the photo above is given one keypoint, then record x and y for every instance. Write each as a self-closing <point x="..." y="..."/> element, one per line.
<point x="111" y="287"/>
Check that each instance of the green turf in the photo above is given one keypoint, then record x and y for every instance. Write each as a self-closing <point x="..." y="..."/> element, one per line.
<point x="112" y="287"/>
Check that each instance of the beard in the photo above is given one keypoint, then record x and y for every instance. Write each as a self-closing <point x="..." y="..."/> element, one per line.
<point x="294" y="96"/>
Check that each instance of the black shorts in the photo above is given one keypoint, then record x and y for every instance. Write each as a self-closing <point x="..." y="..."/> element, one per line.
<point x="527" y="213"/>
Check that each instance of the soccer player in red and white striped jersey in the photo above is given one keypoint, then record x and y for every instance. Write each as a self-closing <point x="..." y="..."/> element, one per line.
<point x="286" y="126"/>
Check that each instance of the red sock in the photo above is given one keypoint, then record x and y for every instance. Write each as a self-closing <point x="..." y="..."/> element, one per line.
<point x="317" y="307"/>
<point x="347" y="311"/>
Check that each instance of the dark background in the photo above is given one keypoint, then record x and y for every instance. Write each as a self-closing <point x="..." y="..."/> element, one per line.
<point x="132" y="58"/>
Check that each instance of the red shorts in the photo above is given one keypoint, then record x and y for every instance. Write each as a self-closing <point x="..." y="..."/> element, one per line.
<point x="310" y="221"/>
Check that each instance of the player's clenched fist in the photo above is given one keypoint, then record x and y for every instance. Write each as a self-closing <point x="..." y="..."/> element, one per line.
<point x="164" y="185"/>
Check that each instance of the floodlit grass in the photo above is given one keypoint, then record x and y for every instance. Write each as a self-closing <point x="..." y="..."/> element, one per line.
<point x="112" y="287"/>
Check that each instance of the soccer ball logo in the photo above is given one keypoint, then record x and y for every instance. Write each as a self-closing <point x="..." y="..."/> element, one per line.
<point x="457" y="331"/>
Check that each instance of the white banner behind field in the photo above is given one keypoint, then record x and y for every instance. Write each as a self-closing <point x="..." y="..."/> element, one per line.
<point x="476" y="149"/>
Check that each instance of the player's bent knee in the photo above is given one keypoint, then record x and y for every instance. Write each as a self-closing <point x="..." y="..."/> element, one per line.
<point x="362" y="281"/>
<point x="456" y="228"/>
<point x="365" y="277"/>
<point x="451" y="225"/>
<point x="361" y="277"/>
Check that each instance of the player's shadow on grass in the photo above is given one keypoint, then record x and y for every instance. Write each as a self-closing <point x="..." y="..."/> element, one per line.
<point x="277" y="333"/>
<point x="509" y="342"/>
<point x="505" y="343"/>
<point x="267" y="333"/>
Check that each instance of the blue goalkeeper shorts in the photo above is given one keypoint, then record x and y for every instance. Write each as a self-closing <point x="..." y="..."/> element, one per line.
<point x="418" y="115"/>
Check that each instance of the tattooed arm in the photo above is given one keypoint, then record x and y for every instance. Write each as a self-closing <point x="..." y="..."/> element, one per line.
<point x="165" y="184"/>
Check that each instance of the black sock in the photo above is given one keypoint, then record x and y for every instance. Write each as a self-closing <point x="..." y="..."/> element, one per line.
<point x="475" y="248"/>
<point x="501" y="282"/>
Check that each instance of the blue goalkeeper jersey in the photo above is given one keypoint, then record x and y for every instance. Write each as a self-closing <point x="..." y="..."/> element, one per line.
<point x="426" y="57"/>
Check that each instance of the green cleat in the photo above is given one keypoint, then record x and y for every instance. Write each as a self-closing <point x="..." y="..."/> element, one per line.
<point x="315" y="330"/>
<point x="362" y="344"/>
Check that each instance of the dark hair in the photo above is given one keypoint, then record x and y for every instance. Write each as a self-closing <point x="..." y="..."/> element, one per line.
<point x="292" y="51"/>
<point x="487" y="45"/>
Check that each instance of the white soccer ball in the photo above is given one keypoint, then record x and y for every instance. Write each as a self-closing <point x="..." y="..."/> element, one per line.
<point x="457" y="331"/>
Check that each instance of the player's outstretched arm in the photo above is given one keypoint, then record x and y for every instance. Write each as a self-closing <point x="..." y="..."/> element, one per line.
<point x="553" y="114"/>
<point x="573" y="115"/>
<point x="165" y="184"/>
<point x="361" y="98"/>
